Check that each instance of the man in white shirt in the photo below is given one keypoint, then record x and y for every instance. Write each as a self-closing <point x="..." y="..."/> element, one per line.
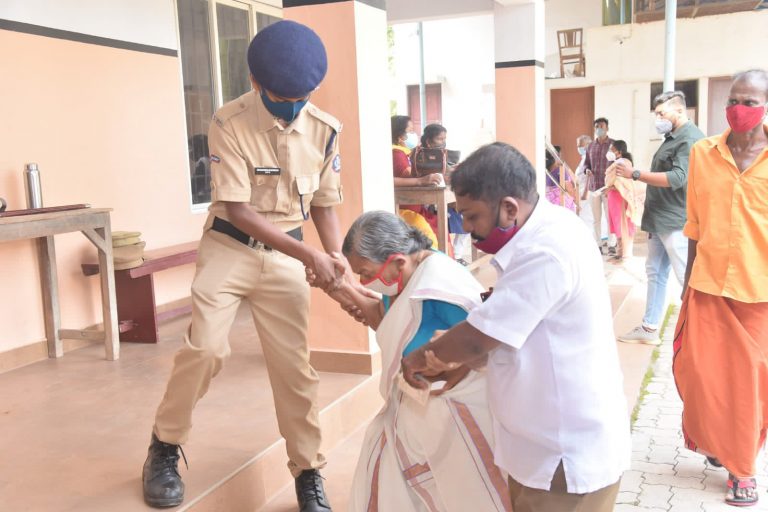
<point x="555" y="386"/>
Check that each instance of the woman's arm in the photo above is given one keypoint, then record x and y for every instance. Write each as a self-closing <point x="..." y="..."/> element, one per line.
<point x="359" y="304"/>
<point x="424" y="181"/>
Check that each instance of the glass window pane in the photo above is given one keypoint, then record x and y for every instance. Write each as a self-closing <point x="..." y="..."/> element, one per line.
<point x="234" y="37"/>
<point x="196" y="68"/>
<point x="616" y="12"/>
<point x="265" y="20"/>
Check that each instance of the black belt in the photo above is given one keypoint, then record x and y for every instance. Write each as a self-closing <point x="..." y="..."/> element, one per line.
<point x="222" y="226"/>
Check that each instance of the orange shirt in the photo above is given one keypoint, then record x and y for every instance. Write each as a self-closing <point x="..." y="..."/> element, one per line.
<point x="728" y="216"/>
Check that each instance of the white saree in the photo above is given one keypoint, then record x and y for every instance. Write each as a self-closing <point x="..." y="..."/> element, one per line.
<point x="433" y="457"/>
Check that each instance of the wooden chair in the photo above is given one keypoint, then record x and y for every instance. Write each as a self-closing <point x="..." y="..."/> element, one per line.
<point x="570" y="43"/>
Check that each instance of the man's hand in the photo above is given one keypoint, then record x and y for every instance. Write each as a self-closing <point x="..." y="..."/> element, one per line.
<point x="451" y="378"/>
<point x="413" y="366"/>
<point x="624" y="168"/>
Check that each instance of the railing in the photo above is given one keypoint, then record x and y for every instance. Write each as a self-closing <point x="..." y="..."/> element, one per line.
<point x="653" y="10"/>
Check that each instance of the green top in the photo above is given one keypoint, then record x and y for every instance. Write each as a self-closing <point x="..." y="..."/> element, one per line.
<point x="665" y="207"/>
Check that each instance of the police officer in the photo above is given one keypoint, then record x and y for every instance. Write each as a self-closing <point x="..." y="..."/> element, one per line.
<point x="274" y="162"/>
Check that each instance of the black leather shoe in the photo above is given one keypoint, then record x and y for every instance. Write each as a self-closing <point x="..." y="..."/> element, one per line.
<point x="162" y="483"/>
<point x="310" y="492"/>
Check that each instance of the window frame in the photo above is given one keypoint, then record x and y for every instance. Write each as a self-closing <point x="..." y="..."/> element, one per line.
<point x="253" y="8"/>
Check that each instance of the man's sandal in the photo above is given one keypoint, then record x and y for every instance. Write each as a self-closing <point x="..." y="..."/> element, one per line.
<point x="732" y="497"/>
<point x="714" y="462"/>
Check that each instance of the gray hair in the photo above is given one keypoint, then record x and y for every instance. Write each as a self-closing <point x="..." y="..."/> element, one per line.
<point x="677" y="98"/>
<point x="583" y="138"/>
<point x="378" y="235"/>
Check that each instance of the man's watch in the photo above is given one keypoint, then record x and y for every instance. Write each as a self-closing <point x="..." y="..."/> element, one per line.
<point x="635" y="175"/>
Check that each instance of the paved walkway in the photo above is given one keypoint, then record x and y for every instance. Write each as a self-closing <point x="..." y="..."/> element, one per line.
<point x="665" y="477"/>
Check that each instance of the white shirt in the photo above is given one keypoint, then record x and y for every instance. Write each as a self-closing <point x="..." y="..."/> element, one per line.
<point x="555" y="385"/>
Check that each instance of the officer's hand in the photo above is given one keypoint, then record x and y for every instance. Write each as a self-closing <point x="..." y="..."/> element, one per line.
<point x="311" y="277"/>
<point x="328" y="272"/>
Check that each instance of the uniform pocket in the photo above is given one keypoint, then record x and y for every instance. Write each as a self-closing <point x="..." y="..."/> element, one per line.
<point x="306" y="186"/>
<point x="264" y="193"/>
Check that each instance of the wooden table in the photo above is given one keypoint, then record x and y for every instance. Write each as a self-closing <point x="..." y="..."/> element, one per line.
<point x="94" y="224"/>
<point x="438" y="195"/>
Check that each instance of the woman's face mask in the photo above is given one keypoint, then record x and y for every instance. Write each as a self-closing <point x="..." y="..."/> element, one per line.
<point x="582" y="150"/>
<point x="380" y="284"/>
<point x="610" y="156"/>
<point x="411" y="140"/>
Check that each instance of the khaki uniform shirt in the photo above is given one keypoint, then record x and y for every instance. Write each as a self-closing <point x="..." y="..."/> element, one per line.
<point x="280" y="172"/>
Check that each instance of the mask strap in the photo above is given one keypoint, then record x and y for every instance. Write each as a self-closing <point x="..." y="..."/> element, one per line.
<point x="381" y="270"/>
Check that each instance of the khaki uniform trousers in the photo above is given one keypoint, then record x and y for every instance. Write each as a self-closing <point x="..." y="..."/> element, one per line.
<point x="274" y="286"/>
<point x="558" y="499"/>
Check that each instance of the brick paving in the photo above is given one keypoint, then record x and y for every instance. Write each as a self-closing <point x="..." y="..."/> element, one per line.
<point x="665" y="477"/>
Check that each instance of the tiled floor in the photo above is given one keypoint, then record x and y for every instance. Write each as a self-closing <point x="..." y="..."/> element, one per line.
<point x="665" y="476"/>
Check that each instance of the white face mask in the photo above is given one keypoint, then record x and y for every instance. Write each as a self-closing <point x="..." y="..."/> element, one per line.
<point x="411" y="140"/>
<point x="611" y="156"/>
<point x="663" y="126"/>
<point x="380" y="285"/>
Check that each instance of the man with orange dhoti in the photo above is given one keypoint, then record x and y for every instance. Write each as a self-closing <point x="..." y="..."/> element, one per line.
<point x="721" y="341"/>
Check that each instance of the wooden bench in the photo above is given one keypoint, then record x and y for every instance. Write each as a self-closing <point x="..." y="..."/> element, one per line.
<point x="137" y="314"/>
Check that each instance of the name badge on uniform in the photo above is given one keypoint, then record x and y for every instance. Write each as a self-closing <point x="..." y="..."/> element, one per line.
<point x="266" y="171"/>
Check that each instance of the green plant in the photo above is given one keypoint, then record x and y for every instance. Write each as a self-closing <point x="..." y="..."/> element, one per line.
<point x="650" y="372"/>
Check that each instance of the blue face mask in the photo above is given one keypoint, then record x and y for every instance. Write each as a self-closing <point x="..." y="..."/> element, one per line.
<point x="286" y="110"/>
<point x="582" y="150"/>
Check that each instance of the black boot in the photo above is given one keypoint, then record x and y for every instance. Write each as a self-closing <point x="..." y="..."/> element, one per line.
<point x="310" y="492"/>
<point x="162" y="483"/>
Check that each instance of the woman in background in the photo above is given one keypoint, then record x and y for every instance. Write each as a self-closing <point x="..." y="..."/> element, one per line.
<point x="624" y="201"/>
<point x="404" y="140"/>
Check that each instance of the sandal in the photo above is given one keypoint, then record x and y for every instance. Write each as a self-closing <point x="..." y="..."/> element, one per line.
<point x="714" y="462"/>
<point x="733" y="497"/>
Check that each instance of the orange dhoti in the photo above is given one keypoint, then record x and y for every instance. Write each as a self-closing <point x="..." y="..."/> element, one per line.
<point x="721" y="370"/>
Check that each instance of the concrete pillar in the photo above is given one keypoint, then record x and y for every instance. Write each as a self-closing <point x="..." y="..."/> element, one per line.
<point x="519" y="54"/>
<point x="354" y="91"/>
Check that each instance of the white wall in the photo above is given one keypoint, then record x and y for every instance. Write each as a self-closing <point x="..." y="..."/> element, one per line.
<point x="403" y="11"/>
<point x="150" y="22"/>
<point x="706" y="46"/>
<point x="623" y="60"/>
<point x="563" y="15"/>
<point x="458" y="53"/>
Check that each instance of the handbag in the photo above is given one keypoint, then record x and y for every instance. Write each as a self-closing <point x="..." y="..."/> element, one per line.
<point x="429" y="161"/>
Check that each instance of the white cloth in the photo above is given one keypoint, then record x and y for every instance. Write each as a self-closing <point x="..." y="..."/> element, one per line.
<point x="433" y="457"/>
<point x="555" y="386"/>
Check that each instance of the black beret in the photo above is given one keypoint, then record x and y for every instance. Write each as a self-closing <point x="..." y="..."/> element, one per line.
<point x="288" y="59"/>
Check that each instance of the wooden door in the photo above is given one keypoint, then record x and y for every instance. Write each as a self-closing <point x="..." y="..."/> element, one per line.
<point x="434" y="99"/>
<point x="572" y="112"/>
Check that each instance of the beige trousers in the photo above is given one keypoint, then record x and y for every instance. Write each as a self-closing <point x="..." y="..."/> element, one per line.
<point x="599" y="204"/>
<point x="558" y="499"/>
<point x="274" y="286"/>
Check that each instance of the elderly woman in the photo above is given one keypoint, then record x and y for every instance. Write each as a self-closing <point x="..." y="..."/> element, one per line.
<point x="429" y="451"/>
